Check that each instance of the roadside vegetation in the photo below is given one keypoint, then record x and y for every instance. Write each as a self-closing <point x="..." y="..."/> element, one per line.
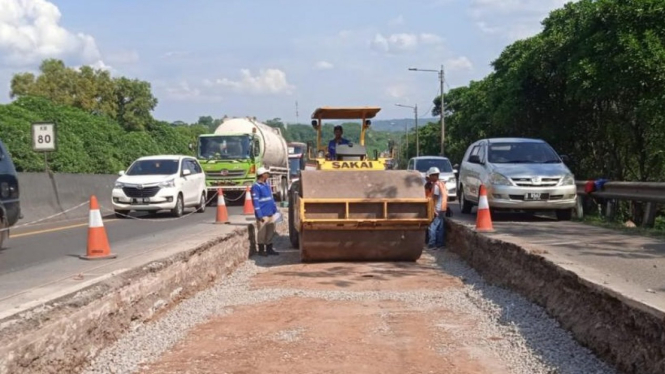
<point x="104" y="122"/>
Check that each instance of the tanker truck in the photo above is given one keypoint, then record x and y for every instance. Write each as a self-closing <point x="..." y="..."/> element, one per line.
<point x="231" y="156"/>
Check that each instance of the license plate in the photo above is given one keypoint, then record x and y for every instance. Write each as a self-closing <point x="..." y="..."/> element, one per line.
<point x="144" y="200"/>
<point x="535" y="196"/>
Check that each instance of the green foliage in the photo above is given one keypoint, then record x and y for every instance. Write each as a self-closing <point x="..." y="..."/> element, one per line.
<point x="592" y="84"/>
<point x="128" y="101"/>
<point x="87" y="143"/>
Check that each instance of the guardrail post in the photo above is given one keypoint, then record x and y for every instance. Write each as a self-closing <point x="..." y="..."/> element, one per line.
<point x="649" y="215"/>
<point x="610" y="209"/>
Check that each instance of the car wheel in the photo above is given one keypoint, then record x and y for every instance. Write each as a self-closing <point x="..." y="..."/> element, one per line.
<point x="202" y="204"/>
<point x="121" y="213"/>
<point x="465" y="205"/>
<point x="564" y="214"/>
<point x="4" y="234"/>
<point x="178" y="209"/>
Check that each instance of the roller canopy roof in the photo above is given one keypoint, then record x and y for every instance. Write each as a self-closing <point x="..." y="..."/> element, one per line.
<point x="345" y="112"/>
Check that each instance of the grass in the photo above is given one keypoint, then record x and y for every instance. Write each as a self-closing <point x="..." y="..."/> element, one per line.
<point x="658" y="231"/>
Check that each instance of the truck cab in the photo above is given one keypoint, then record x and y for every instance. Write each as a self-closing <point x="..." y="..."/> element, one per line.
<point x="297" y="159"/>
<point x="10" y="207"/>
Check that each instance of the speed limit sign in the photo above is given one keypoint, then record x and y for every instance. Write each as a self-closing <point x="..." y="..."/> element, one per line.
<point x="43" y="137"/>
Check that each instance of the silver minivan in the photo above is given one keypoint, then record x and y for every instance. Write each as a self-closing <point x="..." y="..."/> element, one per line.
<point x="447" y="175"/>
<point x="518" y="174"/>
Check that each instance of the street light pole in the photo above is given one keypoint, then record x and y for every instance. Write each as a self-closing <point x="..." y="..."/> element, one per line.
<point x="415" y="112"/>
<point x="442" y="107"/>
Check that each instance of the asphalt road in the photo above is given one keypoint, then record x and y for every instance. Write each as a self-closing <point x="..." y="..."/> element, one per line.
<point x="42" y="244"/>
<point x="633" y="263"/>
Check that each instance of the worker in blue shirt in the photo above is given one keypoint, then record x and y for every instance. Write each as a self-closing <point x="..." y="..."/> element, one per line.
<point x="332" y="145"/>
<point x="265" y="211"/>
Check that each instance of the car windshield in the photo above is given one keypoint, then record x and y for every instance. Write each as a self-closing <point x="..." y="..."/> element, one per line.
<point x="294" y="165"/>
<point x="425" y="164"/>
<point x="296" y="149"/>
<point x="224" y="147"/>
<point x="520" y="153"/>
<point x="153" y="167"/>
<point x="6" y="166"/>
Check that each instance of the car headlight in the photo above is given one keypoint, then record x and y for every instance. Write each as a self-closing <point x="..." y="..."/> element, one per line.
<point x="167" y="184"/>
<point x="118" y="186"/>
<point x="568" y="180"/>
<point x="499" y="180"/>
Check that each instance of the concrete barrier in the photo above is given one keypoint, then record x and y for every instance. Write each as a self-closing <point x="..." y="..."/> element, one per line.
<point x="620" y="330"/>
<point x="44" y="195"/>
<point x="62" y="335"/>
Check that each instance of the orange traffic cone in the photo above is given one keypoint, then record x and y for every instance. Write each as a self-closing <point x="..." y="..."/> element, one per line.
<point x="483" y="217"/>
<point x="249" y="207"/>
<point x="98" y="242"/>
<point x="222" y="213"/>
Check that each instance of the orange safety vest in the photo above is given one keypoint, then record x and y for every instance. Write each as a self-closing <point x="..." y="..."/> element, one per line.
<point x="444" y="195"/>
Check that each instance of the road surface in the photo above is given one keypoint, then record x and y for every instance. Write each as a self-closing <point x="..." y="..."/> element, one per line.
<point x="276" y="315"/>
<point x="631" y="264"/>
<point x="39" y="255"/>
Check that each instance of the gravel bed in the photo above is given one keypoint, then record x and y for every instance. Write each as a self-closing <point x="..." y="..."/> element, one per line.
<point x="527" y="339"/>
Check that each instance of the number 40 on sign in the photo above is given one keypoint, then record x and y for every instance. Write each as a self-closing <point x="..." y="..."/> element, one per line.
<point x="43" y="137"/>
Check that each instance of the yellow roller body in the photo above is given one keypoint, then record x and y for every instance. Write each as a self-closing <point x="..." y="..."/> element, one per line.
<point x="361" y="215"/>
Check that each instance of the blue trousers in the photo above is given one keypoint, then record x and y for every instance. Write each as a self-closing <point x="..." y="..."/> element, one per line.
<point x="437" y="232"/>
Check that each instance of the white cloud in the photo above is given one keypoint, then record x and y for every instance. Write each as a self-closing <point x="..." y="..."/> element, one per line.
<point x="30" y="32"/>
<point x="268" y="81"/>
<point x="323" y="65"/>
<point x="184" y="91"/>
<point x="459" y="63"/>
<point x="403" y="42"/>
<point x="172" y="54"/>
<point x="518" y="18"/>
<point x="397" y="91"/>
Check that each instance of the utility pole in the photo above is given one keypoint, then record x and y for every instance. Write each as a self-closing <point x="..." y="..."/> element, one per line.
<point x="442" y="107"/>
<point x="415" y="113"/>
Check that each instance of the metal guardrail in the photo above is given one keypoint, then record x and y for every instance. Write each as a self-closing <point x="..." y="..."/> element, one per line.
<point x="651" y="193"/>
<point x="648" y="192"/>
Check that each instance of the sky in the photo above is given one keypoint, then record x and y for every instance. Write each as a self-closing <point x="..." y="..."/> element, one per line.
<point x="261" y="57"/>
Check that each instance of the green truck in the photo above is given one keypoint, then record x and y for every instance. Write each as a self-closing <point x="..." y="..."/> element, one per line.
<point x="232" y="154"/>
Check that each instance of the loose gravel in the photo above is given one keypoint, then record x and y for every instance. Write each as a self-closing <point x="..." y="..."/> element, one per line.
<point x="528" y="340"/>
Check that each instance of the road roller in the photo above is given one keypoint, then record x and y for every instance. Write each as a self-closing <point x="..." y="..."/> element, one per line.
<point x="354" y="207"/>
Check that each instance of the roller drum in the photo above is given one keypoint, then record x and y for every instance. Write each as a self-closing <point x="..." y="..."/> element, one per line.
<point x="325" y="242"/>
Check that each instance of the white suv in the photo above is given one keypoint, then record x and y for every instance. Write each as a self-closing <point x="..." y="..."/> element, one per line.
<point x="166" y="182"/>
<point x="519" y="174"/>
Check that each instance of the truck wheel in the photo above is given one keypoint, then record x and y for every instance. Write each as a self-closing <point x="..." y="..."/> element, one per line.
<point x="293" y="233"/>
<point x="284" y="190"/>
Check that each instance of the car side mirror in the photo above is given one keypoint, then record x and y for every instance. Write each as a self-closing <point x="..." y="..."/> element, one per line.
<point x="474" y="159"/>
<point x="186" y="172"/>
<point x="121" y="173"/>
<point x="565" y="158"/>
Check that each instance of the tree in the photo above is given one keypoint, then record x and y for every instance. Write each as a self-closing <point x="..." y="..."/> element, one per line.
<point x="130" y="102"/>
<point x="135" y="102"/>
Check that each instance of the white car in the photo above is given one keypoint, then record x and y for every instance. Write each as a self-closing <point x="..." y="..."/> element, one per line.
<point x="165" y="182"/>
<point x="447" y="175"/>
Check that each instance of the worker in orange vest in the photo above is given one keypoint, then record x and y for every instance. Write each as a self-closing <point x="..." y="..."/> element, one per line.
<point x="439" y="193"/>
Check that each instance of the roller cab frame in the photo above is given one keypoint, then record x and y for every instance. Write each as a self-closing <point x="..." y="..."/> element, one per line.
<point x="351" y="208"/>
